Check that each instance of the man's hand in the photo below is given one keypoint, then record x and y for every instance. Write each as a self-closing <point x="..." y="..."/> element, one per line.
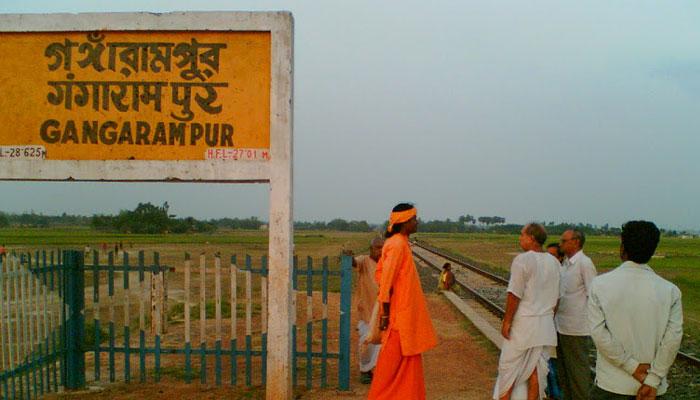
<point x="640" y="374"/>
<point x="646" y="392"/>
<point x="350" y="253"/>
<point x="383" y="322"/>
<point x="505" y="329"/>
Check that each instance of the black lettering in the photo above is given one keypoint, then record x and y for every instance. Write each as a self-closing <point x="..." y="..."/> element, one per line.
<point x="196" y="132"/>
<point x="50" y="136"/>
<point x="125" y="135"/>
<point x="159" y="135"/>
<point x="177" y="132"/>
<point x="90" y="132"/>
<point x="212" y="136"/>
<point x="70" y="133"/>
<point x="227" y="135"/>
<point x="142" y="131"/>
<point x="108" y="136"/>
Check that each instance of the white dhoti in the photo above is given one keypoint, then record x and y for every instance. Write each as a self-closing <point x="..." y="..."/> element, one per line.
<point x="515" y="367"/>
<point x="368" y="353"/>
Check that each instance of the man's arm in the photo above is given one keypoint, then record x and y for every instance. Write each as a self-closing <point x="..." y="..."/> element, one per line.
<point x="384" y="318"/>
<point x="512" y="303"/>
<point x="516" y="290"/>
<point x="670" y="343"/>
<point x="588" y="272"/>
<point x="350" y="253"/>
<point x="392" y="258"/>
<point x="605" y="343"/>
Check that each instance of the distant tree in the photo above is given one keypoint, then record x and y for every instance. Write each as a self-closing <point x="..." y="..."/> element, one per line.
<point x="498" y="220"/>
<point x="145" y="218"/>
<point x="338" y="224"/>
<point x="102" y="222"/>
<point x="4" y="221"/>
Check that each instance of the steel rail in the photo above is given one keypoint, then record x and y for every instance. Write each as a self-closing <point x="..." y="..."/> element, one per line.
<point x="488" y="304"/>
<point x="687" y="358"/>
<point x="496" y="278"/>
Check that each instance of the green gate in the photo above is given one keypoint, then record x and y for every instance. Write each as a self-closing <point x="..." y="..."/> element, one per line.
<point x="134" y="325"/>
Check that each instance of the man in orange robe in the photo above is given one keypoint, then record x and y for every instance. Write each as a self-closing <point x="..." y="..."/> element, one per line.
<point x="407" y="329"/>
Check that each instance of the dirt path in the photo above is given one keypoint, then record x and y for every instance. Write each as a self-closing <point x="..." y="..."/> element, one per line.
<point x="462" y="366"/>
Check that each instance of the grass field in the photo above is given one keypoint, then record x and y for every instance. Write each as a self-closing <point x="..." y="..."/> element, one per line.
<point x="173" y="246"/>
<point x="676" y="259"/>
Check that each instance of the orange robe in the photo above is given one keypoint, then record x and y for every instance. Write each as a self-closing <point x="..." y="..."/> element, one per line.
<point x="399" y="370"/>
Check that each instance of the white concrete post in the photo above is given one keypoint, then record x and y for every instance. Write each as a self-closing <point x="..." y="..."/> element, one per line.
<point x="280" y="301"/>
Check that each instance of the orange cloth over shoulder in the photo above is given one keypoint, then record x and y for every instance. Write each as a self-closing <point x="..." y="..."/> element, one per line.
<point x="408" y="312"/>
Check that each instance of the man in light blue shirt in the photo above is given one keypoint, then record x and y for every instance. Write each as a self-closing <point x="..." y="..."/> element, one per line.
<point x="636" y="321"/>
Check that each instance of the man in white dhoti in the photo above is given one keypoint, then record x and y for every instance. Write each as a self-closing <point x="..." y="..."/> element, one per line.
<point x="366" y="297"/>
<point x="528" y="325"/>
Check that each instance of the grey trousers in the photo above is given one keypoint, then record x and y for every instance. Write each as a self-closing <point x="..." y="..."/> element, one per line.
<point x="574" y="366"/>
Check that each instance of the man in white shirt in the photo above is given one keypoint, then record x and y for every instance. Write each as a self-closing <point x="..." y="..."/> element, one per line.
<point x="573" y="362"/>
<point x="528" y="325"/>
<point x="636" y="321"/>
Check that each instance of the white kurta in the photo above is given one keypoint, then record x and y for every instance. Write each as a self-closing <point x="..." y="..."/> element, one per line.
<point x="577" y="273"/>
<point x="635" y="317"/>
<point x="534" y="279"/>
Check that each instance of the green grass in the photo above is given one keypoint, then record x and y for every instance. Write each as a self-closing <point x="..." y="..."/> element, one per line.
<point x="676" y="259"/>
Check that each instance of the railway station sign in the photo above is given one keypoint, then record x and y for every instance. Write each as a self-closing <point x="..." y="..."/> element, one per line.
<point x="179" y="97"/>
<point x="117" y="93"/>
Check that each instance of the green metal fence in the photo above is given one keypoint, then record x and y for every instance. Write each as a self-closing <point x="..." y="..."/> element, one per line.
<point x="38" y="354"/>
<point x="47" y="345"/>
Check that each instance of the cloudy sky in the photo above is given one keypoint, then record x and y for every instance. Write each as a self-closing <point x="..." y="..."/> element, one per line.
<point x="538" y="110"/>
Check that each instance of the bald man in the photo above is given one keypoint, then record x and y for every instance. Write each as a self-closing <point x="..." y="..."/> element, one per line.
<point x="366" y="295"/>
<point x="528" y="324"/>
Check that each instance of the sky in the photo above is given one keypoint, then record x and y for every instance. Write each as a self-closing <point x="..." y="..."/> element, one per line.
<point x="562" y="111"/>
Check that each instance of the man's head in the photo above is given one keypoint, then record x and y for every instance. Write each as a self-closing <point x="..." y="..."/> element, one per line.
<point x="571" y="241"/>
<point x="532" y="237"/>
<point x="638" y="241"/>
<point x="553" y="249"/>
<point x="375" y="248"/>
<point x="403" y="219"/>
<point x="447" y="267"/>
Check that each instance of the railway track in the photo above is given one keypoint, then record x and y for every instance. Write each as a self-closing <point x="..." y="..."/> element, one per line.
<point x="473" y="280"/>
<point x="494" y="308"/>
<point x="464" y="263"/>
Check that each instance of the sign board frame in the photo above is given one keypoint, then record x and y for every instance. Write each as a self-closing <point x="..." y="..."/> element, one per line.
<point x="276" y="171"/>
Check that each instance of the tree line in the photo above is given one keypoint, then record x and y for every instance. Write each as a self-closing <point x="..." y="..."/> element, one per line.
<point x="151" y="219"/>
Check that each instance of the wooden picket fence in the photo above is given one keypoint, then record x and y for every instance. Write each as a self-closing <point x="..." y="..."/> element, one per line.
<point x="48" y="346"/>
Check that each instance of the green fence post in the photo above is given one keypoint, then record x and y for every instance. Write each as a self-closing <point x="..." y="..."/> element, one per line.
<point x="324" y="325"/>
<point x="74" y="301"/>
<point x="309" y="321"/>
<point x="345" y="293"/>
<point x="263" y="346"/>
<point x="295" y="287"/>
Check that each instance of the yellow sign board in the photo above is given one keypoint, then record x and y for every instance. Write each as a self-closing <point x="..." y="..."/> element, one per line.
<point x="116" y="95"/>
